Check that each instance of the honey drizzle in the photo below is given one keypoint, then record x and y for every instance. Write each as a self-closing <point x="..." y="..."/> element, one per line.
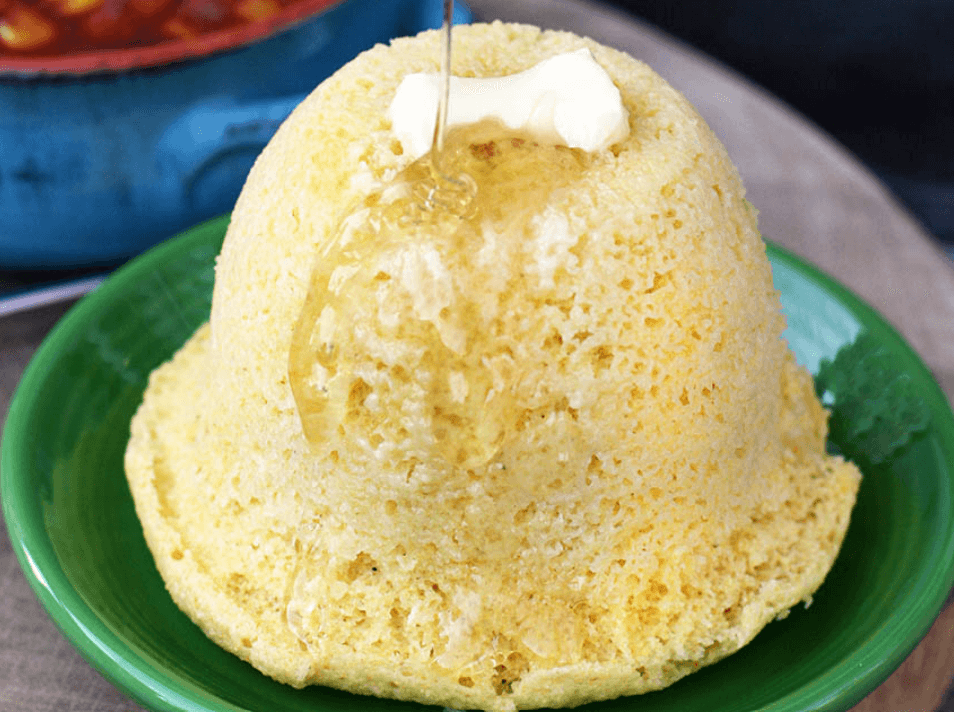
<point x="446" y="189"/>
<point x="430" y="220"/>
<point x="443" y="97"/>
<point x="457" y="385"/>
<point x="437" y="193"/>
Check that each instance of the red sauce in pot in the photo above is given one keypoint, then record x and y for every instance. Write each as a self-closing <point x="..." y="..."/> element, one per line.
<point x="34" y="28"/>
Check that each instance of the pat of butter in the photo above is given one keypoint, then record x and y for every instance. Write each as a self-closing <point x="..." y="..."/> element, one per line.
<point x="567" y="100"/>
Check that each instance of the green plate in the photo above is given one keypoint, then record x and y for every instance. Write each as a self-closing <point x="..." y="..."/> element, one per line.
<point x="72" y="523"/>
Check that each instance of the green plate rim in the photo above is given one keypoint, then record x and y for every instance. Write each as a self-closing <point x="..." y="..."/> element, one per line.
<point x="845" y="684"/>
<point x="99" y="646"/>
<point x="855" y="688"/>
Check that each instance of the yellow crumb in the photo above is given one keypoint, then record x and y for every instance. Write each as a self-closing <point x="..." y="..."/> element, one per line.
<point x="658" y="488"/>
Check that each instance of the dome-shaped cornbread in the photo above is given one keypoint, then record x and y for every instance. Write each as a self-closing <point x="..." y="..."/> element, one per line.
<point x="657" y="489"/>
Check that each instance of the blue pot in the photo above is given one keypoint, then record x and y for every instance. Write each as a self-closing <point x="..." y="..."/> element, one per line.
<point x="96" y="168"/>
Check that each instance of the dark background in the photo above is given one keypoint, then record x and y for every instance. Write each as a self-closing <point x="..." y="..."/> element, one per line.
<point x="878" y="75"/>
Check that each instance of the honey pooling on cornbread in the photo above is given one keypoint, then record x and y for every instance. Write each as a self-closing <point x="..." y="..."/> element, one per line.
<point x="404" y="338"/>
<point x="646" y="489"/>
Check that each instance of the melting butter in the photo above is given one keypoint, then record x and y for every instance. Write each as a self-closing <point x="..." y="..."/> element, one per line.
<point x="566" y="100"/>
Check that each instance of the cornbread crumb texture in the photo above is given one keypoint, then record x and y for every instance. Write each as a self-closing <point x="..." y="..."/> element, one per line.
<point x="661" y="489"/>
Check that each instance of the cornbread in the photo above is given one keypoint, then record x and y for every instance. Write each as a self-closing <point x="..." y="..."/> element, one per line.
<point x="565" y="459"/>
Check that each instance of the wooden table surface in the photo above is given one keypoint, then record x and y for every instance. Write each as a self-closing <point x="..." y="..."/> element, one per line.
<point x="814" y="198"/>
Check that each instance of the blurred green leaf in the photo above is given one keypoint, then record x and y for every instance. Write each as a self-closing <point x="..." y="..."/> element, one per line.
<point x="875" y="409"/>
